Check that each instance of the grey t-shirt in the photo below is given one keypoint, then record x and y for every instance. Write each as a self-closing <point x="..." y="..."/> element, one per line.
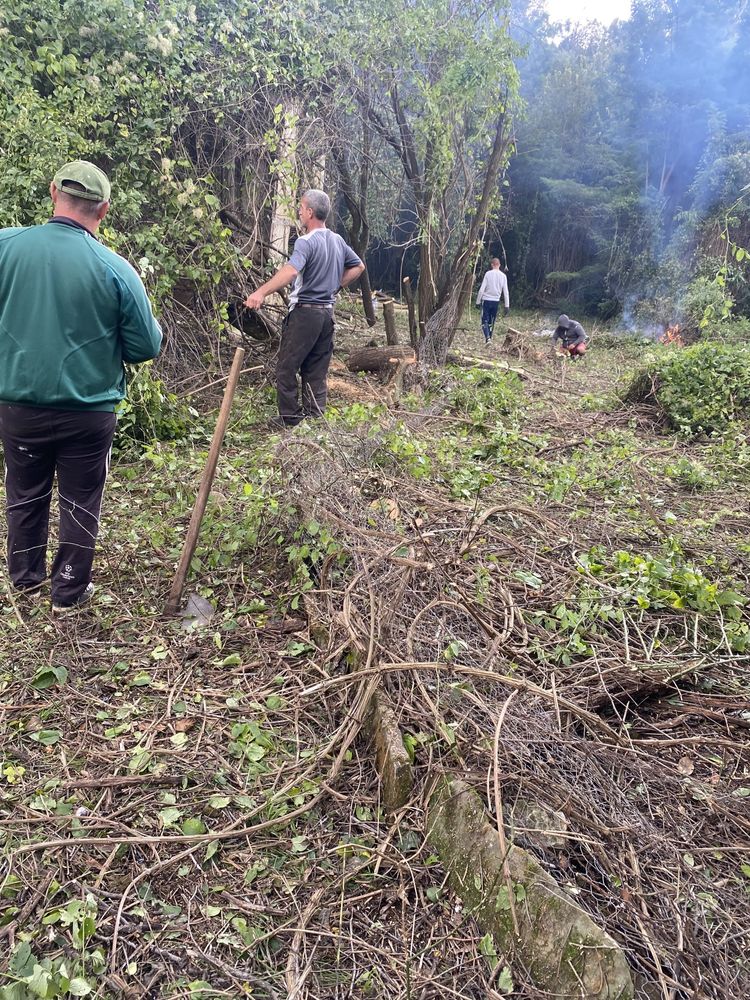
<point x="320" y="257"/>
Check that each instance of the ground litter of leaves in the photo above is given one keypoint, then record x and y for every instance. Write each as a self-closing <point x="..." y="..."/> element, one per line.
<point x="196" y="812"/>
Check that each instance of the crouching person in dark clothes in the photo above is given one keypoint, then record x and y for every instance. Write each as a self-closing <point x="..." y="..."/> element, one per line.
<point x="572" y="336"/>
<point x="71" y="312"/>
<point x="320" y="264"/>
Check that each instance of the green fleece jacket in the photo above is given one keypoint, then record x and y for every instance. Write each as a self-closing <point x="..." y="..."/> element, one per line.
<point x="71" y="312"/>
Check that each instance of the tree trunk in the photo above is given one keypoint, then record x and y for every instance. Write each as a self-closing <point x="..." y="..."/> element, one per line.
<point x="409" y="295"/>
<point x="355" y="199"/>
<point x="379" y="359"/>
<point x="441" y="325"/>
<point x="286" y="184"/>
<point x="389" y="319"/>
<point x="366" y="291"/>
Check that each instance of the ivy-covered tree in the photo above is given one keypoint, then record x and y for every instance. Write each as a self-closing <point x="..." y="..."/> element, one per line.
<point x="177" y="102"/>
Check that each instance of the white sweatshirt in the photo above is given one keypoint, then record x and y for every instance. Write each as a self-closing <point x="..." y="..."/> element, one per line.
<point x="493" y="286"/>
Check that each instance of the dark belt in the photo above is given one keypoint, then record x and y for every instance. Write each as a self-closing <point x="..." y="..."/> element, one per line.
<point x="311" y="305"/>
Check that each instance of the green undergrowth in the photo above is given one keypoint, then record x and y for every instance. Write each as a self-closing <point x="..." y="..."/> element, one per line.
<point x="702" y="389"/>
<point x="151" y="413"/>
<point x="607" y="531"/>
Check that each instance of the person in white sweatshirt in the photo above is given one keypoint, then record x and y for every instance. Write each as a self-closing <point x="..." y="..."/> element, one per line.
<point x="494" y="285"/>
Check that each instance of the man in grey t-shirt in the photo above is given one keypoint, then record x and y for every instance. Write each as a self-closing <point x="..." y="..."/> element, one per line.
<point x="320" y="264"/>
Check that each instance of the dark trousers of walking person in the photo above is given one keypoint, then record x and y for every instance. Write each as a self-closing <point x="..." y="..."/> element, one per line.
<point x="306" y="347"/>
<point x="39" y="442"/>
<point x="489" y="315"/>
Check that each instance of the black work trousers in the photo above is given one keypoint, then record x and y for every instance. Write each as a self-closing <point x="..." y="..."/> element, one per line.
<point x="39" y="442"/>
<point x="306" y="347"/>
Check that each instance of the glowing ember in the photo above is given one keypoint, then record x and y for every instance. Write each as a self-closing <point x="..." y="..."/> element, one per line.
<point x="672" y="336"/>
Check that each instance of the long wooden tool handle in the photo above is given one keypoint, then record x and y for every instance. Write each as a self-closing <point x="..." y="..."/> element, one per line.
<point x="191" y="539"/>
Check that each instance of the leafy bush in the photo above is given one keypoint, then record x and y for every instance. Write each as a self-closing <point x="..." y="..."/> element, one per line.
<point x="736" y="330"/>
<point x="700" y="390"/>
<point x="666" y="581"/>
<point x="662" y="581"/>
<point x="170" y="99"/>
<point x="691" y="474"/>
<point x="150" y="413"/>
<point x="705" y="305"/>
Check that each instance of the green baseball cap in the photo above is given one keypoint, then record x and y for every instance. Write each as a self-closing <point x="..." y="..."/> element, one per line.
<point x="82" y="179"/>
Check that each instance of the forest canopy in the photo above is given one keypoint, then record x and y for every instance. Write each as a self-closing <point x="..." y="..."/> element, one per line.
<point x="628" y="190"/>
<point x="607" y="167"/>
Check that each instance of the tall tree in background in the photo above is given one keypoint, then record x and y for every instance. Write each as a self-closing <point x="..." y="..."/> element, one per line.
<point x="608" y="207"/>
<point x="438" y="87"/>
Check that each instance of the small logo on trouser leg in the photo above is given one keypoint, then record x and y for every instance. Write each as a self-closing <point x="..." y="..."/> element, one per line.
<point x="67" y="573"/>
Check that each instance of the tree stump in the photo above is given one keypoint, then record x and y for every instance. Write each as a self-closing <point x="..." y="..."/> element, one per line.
<point x="409" y="295"/>
<point x="389" y="318"/>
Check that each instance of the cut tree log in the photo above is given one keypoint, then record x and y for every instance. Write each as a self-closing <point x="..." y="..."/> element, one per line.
<point x="391" y="758"/>
<point x="564" y="951"/>
<point x="379" y="359"/>
<point x="409" y="295"/>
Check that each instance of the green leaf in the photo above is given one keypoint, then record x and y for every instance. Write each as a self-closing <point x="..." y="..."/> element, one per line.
<point x="22" y="962"/>
<point x="193" y="826"/>
<point x="39" y="981"/>
<point x="449" y="734"/>
<point x="530" y="579"/>
<point x="79" y="988"/>
<point x="433" y="893"/>
<point x="212" y="848"/>
<point x="502" y="900"/>
<point x="47" y="737"/>
<point x="170" y="816"/>
<point x="504" y="981"/>
<point x="487" y="948"/>
<point x="46" y="677"/>
<point x="219" y="801"/>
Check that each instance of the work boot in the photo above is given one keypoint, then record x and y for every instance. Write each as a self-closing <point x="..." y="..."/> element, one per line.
<point x="83" y="600"/>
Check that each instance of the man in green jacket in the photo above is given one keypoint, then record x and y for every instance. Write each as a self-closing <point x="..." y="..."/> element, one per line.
<point x="71" y="312"/>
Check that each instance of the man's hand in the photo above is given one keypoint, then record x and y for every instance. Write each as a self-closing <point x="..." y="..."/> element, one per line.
<point x="283" y="276"/>
<point x="255" y="300"/>
<point x="506" y="311"/>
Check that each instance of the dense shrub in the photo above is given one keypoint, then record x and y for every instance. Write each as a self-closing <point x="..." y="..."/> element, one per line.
<point x="736" y="330"/>
<point x="706" y="303"/>
<point x="482" y="396"/>
<point x="699" y="390"/>
<point x="173" y="100"/>
<point x="150" y="413"/>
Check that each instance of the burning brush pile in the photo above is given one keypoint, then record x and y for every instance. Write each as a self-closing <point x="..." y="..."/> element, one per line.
<point x="672" y="336"/>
